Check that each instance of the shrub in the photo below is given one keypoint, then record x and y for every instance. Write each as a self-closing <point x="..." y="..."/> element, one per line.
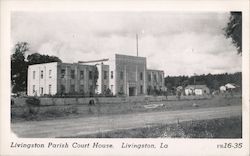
<point x="33" y="101"/>
<point x="33" y="104"/>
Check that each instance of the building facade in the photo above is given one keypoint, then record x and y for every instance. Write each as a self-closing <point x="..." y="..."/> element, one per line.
<point x="128" y="75"/>
<point x="121" y="74"/>
<point x="155" y="81"/>
<point x="60" y="78"/>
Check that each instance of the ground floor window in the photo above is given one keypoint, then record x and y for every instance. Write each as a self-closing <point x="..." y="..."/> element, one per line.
<point x="41" y="90"/>
<point x="112" y="90"/>
<point x="81" y="88"/>
<point x="72" y="88"/>
<point x="141" y="89"/>
<point x="34" y="88"/>
<point x="50" y="89"/>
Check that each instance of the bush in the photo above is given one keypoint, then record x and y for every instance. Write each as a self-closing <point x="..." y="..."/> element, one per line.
<point x="33" y="101"/>
<point x="33" y="104"/>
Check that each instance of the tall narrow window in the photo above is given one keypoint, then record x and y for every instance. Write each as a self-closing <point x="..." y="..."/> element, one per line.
<point x="81" y="88"/>
<point x="112" y="88"/>
<point x="149" y="77"/>
<point x="121" y="75"/>
<point x="72" y="73"/>
<point x="62" y="88"/>
<point x="34" y="88"/>
<point x="91" y="90"/>
<point x="90" y="75"/>
<point x="41" y="91"/>
<point x="41" y="74"/>
<point x="121" y="89"/>
<point x="50" y="72"/>
<point x="141" y="75"/>
<point x="105" y="75"/>
<point x="72" y="88"/>
<point x="49" y="89"/>
<point x="34" y="74"/>
<point x="62" y="73"/>
<point x="141" y="89"/>
<point x="155" y="77"/>
<point x="81" y="74"/>
<point x="111" y="74"/>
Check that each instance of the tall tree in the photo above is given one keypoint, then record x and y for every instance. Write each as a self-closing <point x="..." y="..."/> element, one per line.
<point x="37" y="58"/>
<point x="234" y="30"/>
<point x="19" y="67"/>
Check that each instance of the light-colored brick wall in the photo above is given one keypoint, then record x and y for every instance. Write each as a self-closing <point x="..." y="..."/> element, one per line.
<point x="157" y="79"/>
<point x="42" y="79"/>
<point x="131" y="67"/>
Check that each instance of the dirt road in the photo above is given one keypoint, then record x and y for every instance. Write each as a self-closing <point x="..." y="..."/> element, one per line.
<point x="80" y="126"/>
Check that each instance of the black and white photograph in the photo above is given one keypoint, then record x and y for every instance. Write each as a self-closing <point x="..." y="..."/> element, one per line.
<point x="126" y="74"/>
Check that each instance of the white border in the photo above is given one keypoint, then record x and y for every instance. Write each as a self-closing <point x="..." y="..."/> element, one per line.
<point x="176" y="146"/>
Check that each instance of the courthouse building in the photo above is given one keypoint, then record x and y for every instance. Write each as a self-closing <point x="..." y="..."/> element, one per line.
<point x="121" y="74"/>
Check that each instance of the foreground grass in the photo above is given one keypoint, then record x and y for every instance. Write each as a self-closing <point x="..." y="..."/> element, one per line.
<point x="215" y="128"/>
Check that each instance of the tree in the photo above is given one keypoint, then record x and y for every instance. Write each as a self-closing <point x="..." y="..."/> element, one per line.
<point x="37" y="58"/>
<point x="234" y="30"/>
<point x="19" y="67"/>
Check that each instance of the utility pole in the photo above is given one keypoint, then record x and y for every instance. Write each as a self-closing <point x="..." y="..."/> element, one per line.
<point x="194" y="78"/>
<point x="137" y="45"/>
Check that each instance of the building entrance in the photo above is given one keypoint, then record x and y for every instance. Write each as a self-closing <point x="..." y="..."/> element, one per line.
<point x="131" y="91"/>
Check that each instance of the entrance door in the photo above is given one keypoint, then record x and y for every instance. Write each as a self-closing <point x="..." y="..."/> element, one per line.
<point x="131" y="91"/>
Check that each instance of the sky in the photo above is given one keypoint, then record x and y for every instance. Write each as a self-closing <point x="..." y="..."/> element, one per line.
<point x="180" y="43"/>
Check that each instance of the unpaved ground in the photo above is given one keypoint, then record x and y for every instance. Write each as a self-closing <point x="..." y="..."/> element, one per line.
<point x="88" y="125"/>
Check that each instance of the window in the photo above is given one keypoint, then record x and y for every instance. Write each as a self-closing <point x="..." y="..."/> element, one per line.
<point x="90" y="75"/>
<point x="34" y="74"/>
<point x="72" y="88"/>
<point x="105" y="88"/>
<point x="112" y="87"/>
<point x="149" y="77"/>
<point x="141" y="89"/>
<point x="41" y="91"/>
<point x="91" y="90"/>
<point x="97" y="87"/>
<point x="121" y="89"/>
<point x="62" y="88"/>
<point x="72" y="74"/>
<point x="154" y="77"/>
<point x="105" y="75"/>
<point x="41" y="74"/>
<point x="62" y="73"/>
<point x="50" y="71"/>
<point x="141" y="75"/>
<point x="121" y="75"/>
<point x="112" y="74"/>
<point x="81" y="88"/>
<point x="34" y="88"/>
<point x="160" y="78"/>
<point x="49" y="89"/>
<point x="81" y="74"/>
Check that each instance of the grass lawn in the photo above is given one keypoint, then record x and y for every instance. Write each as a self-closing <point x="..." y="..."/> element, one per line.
<point x="215" y="128"/>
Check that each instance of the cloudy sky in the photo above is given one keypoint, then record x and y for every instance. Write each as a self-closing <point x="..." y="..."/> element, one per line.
<point x="180" y="43"/>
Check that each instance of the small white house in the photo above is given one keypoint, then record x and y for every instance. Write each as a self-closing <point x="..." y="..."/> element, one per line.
<point x="230" y="86"/>
<point x="223" y="89"/>
<point x="196" y="90"/>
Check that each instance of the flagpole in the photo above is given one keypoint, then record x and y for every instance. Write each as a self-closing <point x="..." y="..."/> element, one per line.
<point x="137" y="45"/>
